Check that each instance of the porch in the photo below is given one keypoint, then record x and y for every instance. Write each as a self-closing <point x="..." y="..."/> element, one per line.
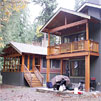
<point x="26" y="65"/>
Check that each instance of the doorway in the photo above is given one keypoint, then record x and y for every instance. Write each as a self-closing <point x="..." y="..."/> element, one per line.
<point x="37" y="62"/>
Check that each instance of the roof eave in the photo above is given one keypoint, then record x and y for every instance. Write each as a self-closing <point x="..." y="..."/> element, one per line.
<point x="68" y="11"/>
<point x="89" y="5"/>
<point x="16" y="48"/>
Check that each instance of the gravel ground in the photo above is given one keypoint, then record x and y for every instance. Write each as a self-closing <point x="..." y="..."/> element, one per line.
<point x="16" y="93"/>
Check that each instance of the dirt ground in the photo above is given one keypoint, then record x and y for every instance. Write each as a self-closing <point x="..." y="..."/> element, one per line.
<point x="16" y="93"/>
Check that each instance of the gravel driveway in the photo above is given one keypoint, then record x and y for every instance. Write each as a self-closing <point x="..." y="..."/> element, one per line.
<point x="16" y="93"/>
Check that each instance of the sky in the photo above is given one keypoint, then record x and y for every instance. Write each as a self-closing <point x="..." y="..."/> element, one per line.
<point x="36" y="9"/>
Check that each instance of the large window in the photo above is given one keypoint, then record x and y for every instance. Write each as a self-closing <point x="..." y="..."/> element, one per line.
<point x="77" y="68"/>
<point x="55" y="63"/>
<point x="75" y="37"/>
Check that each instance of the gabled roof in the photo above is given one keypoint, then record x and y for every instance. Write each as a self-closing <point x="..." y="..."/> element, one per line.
<point x="28" y="48"/>
<point x="89" y="5"/>
<point x="66" y="11"/>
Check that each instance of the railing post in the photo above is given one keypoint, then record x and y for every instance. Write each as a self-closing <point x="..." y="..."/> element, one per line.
<point x="22" y="65"/>
<point x="4" y="64"/>
<point x="71" y="47"/>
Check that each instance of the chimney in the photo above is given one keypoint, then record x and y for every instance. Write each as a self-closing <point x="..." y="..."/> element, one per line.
<point x="98" y="2"/>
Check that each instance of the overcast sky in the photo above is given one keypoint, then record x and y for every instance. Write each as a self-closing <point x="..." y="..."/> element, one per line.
<point x="35" y="9"/>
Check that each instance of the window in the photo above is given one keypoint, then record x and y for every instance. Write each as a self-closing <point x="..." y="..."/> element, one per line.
<point x="44" y="62"/>
<point x="74" y="37"/>
<point x="77" y="68"/>
<point x="55" y="63"/>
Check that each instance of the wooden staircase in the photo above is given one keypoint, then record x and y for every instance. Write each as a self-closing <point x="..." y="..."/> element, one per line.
<point x="33" y="79"/>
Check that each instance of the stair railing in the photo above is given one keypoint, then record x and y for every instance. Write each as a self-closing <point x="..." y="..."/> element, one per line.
<point x="39" y="75"/>
<point x="28" y="75"/>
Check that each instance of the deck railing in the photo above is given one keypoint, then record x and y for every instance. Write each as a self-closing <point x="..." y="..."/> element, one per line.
<point x="39" y="75"/>
<point x="74" y="47"/>
<point x="12" y="68"/>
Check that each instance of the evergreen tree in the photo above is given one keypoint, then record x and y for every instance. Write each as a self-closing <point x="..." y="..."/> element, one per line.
<point x="48" y="8"/>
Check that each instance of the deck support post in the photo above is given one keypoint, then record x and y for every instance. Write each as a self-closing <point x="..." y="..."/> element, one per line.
<point x="28" y="62"/>
<point x="87" y="73"/>
<point x="33" y="63"/>
<point x="22" y="65"/>
<point x="61" y="66"/>
<point x="40" y="64"/>
<point x="4" y="64"/>
<point x="87" y="31"/>
<point x="48" y="60"/>
<point x="48" y="70"/>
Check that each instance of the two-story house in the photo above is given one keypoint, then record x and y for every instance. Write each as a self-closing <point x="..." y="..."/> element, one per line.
<point x="79" y="52"/>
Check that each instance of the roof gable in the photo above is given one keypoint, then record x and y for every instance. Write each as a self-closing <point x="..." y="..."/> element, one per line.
<point x="26" y="48"/>
<point x="57" y="19"/>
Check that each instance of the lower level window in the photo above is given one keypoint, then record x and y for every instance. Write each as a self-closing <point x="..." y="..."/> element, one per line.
<point x="77" y="68"/>
<point x="55" y="63"/>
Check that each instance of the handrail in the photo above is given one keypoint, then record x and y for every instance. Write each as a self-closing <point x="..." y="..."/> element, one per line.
<point x="28" y="74"/>
<point x="12" y="68"/>
<point x="39" y="75"/>
<point x="83" y="45"/>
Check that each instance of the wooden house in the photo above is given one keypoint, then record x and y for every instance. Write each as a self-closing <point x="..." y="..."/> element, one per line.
<point x="79" y="50"/>
<point x="23" y="63"/>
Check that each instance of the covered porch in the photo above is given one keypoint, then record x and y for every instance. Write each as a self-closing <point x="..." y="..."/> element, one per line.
<point x="22" y="61"/>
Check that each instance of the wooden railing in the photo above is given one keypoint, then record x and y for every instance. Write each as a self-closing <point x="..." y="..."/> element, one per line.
<point x="74" y="47"/>
<point x="28" y="76"/>
<point x="12" y="68"/>
<point x="38" y="75"/>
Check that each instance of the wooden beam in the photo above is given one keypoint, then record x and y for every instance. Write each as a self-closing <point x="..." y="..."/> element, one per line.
<point x="48" y="70"/>
<point x="40" y="64"/>
<point x="48" y="38"/>
<point x="61" y="66"/>
<point x="65" y="20"/>
<point x="13" y="55"/>
<point x="33" y="63"/>
<point x="48" y="49"/>
<point x="28" y="62"/>
<point x="68" y="26"/>
<point x="87" y="31"/>
<point x="22" y="65"/>
<point x="87" y="73"/>
<point x="4" y="64"/>
<point x="78" y="54"/>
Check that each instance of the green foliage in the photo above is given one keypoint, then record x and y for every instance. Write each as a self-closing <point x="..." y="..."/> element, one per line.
<point x="48" y="7"/>
<point x="17" y="29"/>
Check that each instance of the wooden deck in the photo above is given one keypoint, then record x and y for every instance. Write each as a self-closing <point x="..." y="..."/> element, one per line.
<point x="75" y="47"/>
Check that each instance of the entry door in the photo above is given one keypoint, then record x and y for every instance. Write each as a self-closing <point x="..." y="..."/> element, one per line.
<point x="31" y="59"/>
<point x="37" y="62"/>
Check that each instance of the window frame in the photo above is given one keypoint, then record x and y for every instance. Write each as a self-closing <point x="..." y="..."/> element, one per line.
<point x="78" y="72"/>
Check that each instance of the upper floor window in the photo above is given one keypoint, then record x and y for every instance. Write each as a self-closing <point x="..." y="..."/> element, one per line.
<point x="75" y="37"/>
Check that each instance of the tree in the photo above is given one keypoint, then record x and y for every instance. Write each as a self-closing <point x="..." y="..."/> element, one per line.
<point x="48" y="7"/>
<point x="8" y="6"/>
